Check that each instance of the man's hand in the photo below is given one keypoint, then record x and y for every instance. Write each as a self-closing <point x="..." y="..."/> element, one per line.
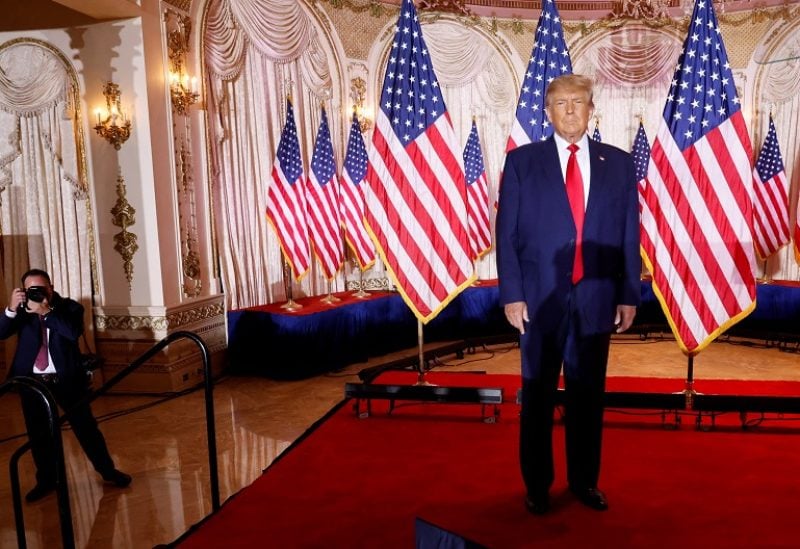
<point x="624" y="318"/>
<point x="17" y="298"/>
<point x="517" y="315"/>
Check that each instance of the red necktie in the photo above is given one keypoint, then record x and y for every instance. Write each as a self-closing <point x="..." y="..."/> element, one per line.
<point x="42" y="361"/>
<point x="574" y="183"/>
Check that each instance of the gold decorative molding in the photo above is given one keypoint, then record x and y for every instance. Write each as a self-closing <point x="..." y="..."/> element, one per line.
<point x="375" y="9"/>
<point x="517" y="25"/>
<point x="187" y="221"/>
<point x="172" y="321"/>
<point x="185" y="317"/>
<point x="374" y="284"/>
<point x="641" y="10"/>
<point x="452" y="6"/>
<point x="183" y="93"/>
<point x="130" y="323"/>
<point x="183" y="5"/>
<point x="124" y="215"/>
<point x="182" y="86"/>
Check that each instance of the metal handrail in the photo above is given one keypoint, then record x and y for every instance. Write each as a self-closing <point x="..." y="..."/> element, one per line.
<point x="210" y="430"/>
<point x="53" y="422"/>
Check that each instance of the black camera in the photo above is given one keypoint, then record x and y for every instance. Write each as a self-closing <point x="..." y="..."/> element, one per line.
<point x="36" y="293"/>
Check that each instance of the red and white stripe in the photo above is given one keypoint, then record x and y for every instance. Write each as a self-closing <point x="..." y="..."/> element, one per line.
<point x="517" y="137"/>
<point x="771" y="214"/>
<point x="696" y="231"/>
<point x="324" y="224"/>
<point x="352" y="213"/>
<point x="415" y="200"/>
<point x="480" y="234"/>
<point x="286" y="207"/>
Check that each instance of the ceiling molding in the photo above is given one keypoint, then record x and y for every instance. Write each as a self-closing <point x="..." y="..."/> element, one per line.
<point x="104" y="9"/>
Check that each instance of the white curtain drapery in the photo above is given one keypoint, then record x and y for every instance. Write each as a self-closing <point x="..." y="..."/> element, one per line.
<point x="44" y="219"/>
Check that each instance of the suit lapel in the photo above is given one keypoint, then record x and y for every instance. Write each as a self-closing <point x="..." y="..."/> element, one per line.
<point x="551" y="164"/>
<point x="597" y="163"/>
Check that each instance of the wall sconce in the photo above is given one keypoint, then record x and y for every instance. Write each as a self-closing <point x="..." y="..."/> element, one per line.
<point x="113" y="125"/>
<point x="182" y="87"/>
<point x="182" y="90"/>
<point x="358" y="92"/>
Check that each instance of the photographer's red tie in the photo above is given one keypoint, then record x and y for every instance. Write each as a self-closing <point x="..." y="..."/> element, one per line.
<point x="42" y="361"/>
<point x="574" y="183"/>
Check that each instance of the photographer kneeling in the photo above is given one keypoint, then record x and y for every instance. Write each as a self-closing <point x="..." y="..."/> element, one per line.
<point x="49" y="327"/>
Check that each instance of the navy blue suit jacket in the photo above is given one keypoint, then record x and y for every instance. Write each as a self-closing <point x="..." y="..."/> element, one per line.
<point x="65" y="323"/>
<point x="536" y="237"/>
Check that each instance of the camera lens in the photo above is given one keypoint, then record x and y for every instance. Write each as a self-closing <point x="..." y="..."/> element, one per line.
<point x="36" y="293"/>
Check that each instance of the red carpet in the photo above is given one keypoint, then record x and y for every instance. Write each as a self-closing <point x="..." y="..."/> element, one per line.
<point x="362" y="482"/>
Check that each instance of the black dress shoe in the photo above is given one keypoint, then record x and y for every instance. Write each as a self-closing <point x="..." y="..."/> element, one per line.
<point x="592" y="497"/>
<point x="117" y="478"/>
<point x="39" y="491"/>
<point x="537" y="505"/>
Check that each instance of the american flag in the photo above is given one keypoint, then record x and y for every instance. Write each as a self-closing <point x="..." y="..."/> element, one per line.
<point x="641" y="159"/>
<point x="697" y="211"/>
<point x="415" y="194"/>
<point x="480" y="236"/>
<point x="549" y="58"/>
<point x="352" y="198"/>
<point x="286" y="199"/>
<point x="596" y="135"/>
<point x="323" y="203"/>
<point x="771" y="198"/>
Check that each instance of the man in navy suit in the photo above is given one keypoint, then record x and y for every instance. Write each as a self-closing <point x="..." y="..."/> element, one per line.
<point x="569" y="275"/>
<point x="37" y="314"/>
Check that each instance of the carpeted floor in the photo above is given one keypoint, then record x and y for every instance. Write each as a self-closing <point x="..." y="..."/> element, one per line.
<point x="354" y="482"/>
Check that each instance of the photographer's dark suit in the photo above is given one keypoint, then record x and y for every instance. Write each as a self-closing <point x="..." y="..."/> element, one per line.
<point x="68" y="385"/>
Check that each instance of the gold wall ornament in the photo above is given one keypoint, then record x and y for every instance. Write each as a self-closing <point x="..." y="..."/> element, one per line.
<point x="642" y="10"/>
<point x="452" y="6"/>
<point x="124" y="215"/>
<point x="183" y="90"/>
<point x="358" y="93"/>
<point x="113" y="125"/>
<point x="187" y="220"/>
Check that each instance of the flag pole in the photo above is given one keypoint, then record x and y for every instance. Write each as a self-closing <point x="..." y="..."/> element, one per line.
<point x="689" y="391"/>
<point x="421" y="372"/>
<point x="291" y="305"/>
<point x="766" y="279"/>
<point x="330" y="299"/>
<point x="360" y="294"/>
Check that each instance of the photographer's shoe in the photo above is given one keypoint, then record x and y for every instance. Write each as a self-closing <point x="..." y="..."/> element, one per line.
<point x="117" y="478"/>
<point x="39" y="491"/>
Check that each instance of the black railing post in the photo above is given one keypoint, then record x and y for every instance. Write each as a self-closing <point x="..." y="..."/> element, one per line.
<point x="55" y="425"/>
<point x="62" y="491"/>
<point x="209" y="397"/>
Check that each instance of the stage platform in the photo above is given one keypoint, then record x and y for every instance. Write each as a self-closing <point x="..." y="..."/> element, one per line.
<point x="320" y="338"/>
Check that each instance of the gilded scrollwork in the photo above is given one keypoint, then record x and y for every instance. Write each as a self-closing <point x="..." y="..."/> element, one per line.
<point x="184" y="5"/>
<point x="653" y="13"/>
<point x="373" y="284"/>
<point x="125" y="242"/>
<point x="190" y="258"/>
<point x="172" y="321"/>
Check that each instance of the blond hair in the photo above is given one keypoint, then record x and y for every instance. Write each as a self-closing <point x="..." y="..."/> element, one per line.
<point x="570" y="82"/>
